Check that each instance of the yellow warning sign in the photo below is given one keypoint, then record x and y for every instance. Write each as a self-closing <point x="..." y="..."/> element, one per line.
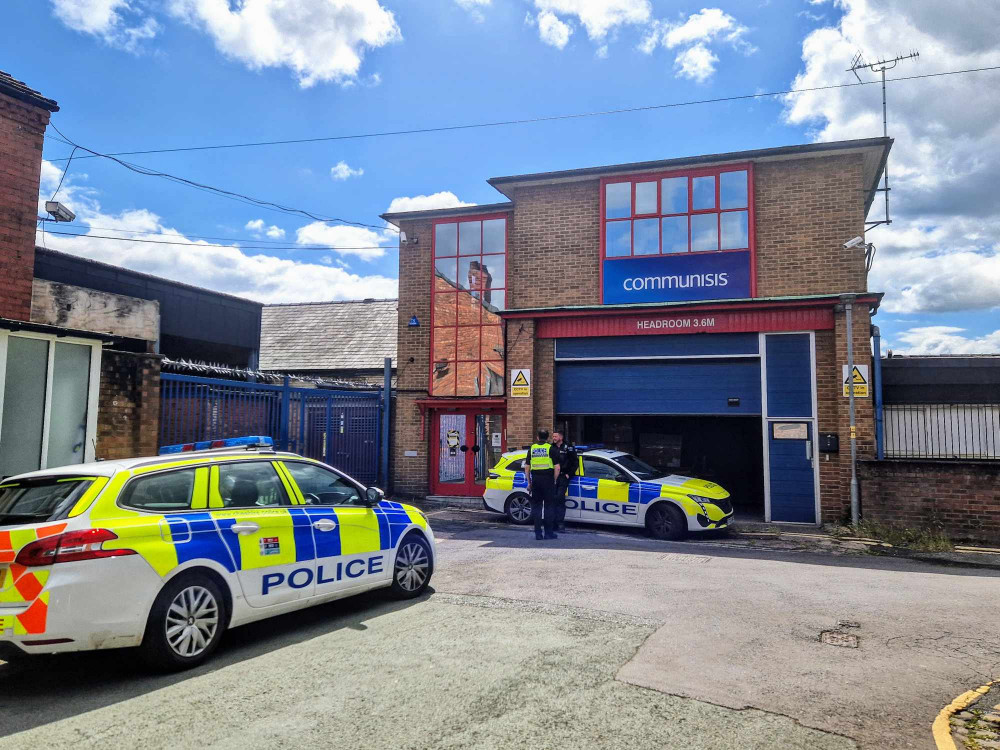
<point x="858" y="379"/>
<point x="520" y="383"/>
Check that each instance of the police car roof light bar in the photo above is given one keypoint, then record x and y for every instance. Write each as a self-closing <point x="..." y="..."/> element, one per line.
<point x="248" y="442"/>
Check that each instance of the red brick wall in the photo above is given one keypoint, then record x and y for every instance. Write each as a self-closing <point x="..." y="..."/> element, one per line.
<point x="961" y="498"/>
<point x="413" y="362"/>
<point x="22" y="128"/>
<point x="128" y="418"/>
<point x="805" y="210"/>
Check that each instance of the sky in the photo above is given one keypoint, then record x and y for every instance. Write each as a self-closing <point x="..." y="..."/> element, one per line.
<point x="151" y="74"/>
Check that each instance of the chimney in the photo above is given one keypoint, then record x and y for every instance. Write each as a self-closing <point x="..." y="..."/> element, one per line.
<point x="24" y="114"/>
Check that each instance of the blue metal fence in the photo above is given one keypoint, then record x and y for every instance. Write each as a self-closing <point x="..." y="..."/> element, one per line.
<point x="341" y="428"/>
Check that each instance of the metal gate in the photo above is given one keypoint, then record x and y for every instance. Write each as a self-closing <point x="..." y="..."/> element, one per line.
<point x="341" y="428"/>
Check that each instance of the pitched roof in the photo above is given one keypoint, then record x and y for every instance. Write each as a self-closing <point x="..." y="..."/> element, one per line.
<point x="315" y="336"/>
<point x="19" y="90"/>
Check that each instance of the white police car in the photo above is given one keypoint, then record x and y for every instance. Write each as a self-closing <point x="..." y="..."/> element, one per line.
<point x="613" y="487"/>
<point x="166" y="553"/>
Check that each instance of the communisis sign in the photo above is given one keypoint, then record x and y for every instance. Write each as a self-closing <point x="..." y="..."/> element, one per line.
<point x="677" y="278"/>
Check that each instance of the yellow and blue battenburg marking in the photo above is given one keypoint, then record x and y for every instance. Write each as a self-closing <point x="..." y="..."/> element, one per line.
<point x="207" y="535"/>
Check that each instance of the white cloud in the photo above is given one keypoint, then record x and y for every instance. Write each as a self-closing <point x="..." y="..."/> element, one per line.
<point x="320" y="40"/>
<point x="341" y="171"/>
<point x="942" y="252"/>
<point x="257" y="227"/>
<point x="119" y="23"/>
<point x="552" y="31"/>
<point x="475" y="8"/>
<point x="697" y="63"/>
<point x="366" y="244"/>
<point x="598" y="17"/>
<point x="945" y="340"/>
<point x="444" y="199"/>
<point x="263" y="277"/>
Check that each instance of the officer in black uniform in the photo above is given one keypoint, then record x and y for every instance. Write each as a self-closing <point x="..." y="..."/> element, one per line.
<point x="541" y="469"/>
<point x="568" y="461"/>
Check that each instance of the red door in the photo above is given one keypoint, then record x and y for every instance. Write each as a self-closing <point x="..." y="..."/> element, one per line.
<point x="466" y="445"/>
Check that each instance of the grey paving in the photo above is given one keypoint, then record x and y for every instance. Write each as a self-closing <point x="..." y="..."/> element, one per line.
<point x="449" y="672"/>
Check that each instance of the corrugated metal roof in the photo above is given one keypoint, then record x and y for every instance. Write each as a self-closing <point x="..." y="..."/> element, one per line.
<point x="315" y="336"/>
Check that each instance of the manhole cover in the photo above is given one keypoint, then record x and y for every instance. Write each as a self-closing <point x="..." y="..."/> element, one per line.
<point x="838" y="638"/>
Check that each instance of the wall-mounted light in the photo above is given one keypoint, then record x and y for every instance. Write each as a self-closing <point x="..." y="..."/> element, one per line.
<point x="414" y="322"/>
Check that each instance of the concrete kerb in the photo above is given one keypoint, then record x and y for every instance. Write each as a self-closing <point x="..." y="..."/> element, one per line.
<point x="941" y="728"/>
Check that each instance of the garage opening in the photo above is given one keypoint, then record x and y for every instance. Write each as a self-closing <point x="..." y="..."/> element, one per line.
<point x="726" y="450"/>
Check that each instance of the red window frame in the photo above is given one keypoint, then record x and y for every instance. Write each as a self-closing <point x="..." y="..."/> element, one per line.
<point x="690" y="174"/>
<point x="456" y="326"/>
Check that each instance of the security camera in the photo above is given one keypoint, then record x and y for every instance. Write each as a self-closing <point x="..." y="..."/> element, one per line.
<point x="58" y="211"/>
<point x="854" y="242"/>
<point x="402" y="238"/>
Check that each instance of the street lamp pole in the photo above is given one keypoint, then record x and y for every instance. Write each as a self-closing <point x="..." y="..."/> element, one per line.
<point x="848" y="300"/>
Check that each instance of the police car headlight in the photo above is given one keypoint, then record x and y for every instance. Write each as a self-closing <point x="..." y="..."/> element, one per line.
<point x="702" y="502"/>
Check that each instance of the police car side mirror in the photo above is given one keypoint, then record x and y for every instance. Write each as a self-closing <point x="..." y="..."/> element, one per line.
<point x="624" y="478"/>
<point x="373" y="495"/>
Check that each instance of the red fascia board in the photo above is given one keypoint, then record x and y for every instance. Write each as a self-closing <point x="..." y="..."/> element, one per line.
<point x="461" y="403"/>
<point x="751" y="305"/>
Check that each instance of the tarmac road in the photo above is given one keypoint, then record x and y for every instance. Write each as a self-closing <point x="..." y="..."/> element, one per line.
<point x="596" y="640"/>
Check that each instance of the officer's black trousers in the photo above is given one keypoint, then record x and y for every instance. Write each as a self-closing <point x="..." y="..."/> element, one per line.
<point x="542" y="500"/>
<point x="562" y="484"/>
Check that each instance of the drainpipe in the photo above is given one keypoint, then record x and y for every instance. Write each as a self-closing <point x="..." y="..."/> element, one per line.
<point x="848" y="300"/>
<point x="877" y="385"/>
<point x="386" y="406"/>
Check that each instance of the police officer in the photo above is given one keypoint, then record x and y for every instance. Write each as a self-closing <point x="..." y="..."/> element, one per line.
<point x="542" y="472"/>
<point x="568" y="462"/>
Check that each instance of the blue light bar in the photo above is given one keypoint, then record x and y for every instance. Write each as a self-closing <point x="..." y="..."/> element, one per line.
<point x="205" y="445"/>
<point x="593" y="447"/>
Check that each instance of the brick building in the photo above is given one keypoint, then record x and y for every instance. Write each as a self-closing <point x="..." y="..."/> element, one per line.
<point x="690" y="311"/>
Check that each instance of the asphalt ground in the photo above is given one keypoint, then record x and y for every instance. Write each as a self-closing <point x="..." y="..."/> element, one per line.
<point x="599" y="639"/>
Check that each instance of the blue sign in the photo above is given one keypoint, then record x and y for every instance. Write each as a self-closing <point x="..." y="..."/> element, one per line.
<point x="677" y="278"/>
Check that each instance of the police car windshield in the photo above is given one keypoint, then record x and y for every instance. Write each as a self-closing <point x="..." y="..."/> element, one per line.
<point x="638" y="467"/>
<point x="37" y="500"/>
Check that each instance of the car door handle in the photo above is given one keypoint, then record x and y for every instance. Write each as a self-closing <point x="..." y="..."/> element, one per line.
<point x="248" y="527"/>
<point x="325" y="524"/>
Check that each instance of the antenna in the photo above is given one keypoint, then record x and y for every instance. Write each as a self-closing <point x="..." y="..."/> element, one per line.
<point x="880" y="66"/>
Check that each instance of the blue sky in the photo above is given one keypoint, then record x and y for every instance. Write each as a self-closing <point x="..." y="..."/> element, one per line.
<point x="134" y="74"/>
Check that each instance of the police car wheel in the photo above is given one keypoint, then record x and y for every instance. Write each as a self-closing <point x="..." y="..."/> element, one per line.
<point x="185" y="624"/>
<point x="412" y="571"/>
<point x="518" y="509"/>
<point x="665" y="521"/>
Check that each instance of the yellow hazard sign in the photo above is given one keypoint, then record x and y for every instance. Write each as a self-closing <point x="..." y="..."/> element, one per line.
<point x="520" y="383"/>
<point x="858" y="379"/>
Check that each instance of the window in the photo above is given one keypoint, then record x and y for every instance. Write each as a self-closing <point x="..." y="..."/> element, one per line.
<point x="702" y="211"/>
<point x="38" y="500"/>
<point x="598" y="469"/>
<point x="49" y="413"/>
<point x="250" y="484"/>
<point x="468" y="292"/>
<point x="160" y="493"/>
<point x="321" y="486"/>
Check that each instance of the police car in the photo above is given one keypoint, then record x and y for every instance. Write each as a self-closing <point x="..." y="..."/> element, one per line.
<point x="613" y="487"/>
<point x="166" y="553"/>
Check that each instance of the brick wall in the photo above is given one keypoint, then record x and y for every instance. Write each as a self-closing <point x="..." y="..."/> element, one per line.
<point x="960" y="498"/>
<point x="805" y="210"/>
<point x="22" y="128"/>
<point x="413" y="361"/>
<point x="555" y="246"/>
<point x="128" y="419"/>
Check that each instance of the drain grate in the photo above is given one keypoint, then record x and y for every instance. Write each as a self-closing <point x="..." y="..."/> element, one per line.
<point x="839" y="638"/>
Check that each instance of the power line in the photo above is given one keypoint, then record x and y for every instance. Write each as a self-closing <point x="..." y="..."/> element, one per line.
<point x="257" y="241"/>
<point x="327" y="248"/>
<point x="533" y="120"/>
<point x="266" y="205"/>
